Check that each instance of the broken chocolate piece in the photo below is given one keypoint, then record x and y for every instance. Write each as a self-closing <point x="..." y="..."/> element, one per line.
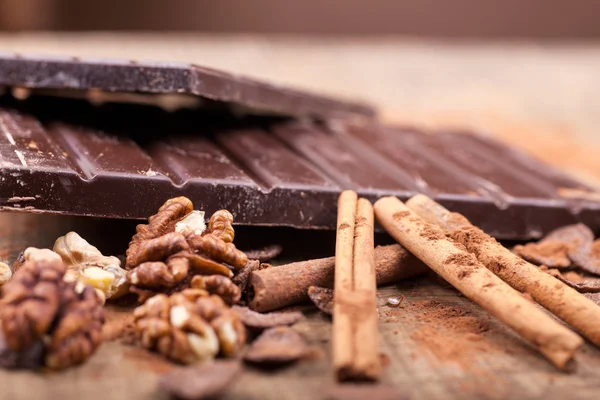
<point x="552" y="254"/>
<point x="322" y="298"/>
<point x="276" y="346"/>
<point x="258" y="321"/>
<point x="200" y="381"/>
<point x="554" y="249"/>
<point x="360" y="391"/>
<point x="588" y="257"/>
<point x="263" y="170"/>
<point x="582" y="283"/>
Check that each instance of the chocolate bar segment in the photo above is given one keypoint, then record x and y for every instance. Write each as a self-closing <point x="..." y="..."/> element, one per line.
<point x="165" y="78"/>
<point x="124" y="161"/>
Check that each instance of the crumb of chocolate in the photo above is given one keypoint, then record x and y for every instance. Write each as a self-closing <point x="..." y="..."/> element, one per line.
<point x="259" y="321"/>
<point x="200" y="381"/>
<point x="277" y="346"/>
<point x="322" y="298"/>
<point x="584" y="283"/>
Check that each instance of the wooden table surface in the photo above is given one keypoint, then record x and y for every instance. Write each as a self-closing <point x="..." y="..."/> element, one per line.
<point x="541" y="98"/>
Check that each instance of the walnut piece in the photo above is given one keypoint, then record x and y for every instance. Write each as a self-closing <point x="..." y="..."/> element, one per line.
<point x="33" y="254"/>
<point x="39" y="306"/>
<point x="5" y="273"/>
<point x="87" y="264"/>
<point x="162" y="222"/>
<point x="174" y="246"/>
<point x="221" y="225"/>
<point x="192" y="224"/>
<point x="219" y="250"/>
<point x="189" y="326"/>
<point x="219" y="285"/>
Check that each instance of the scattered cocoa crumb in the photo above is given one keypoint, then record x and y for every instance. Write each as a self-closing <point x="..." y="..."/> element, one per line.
<point x="258" y="321"/>
<point x="265" y="254"/>
<point x="359" y="391"/>
<point x="119" y="326"/>
<point x="401" y="214"/>
<point x="322" y="298"/>
<point x="343" y="226"/>
<point x="200" y="381"/>
<point x="464" y="263"/>
<point x="277" y="346"/>
<point x="450" y="333"/>
<point x="431" y="232"/>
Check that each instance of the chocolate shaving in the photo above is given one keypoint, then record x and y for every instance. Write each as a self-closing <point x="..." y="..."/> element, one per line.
<point x="588" y="257"/>
<point x="358" y="391"/>
<point x="322" y="298"/>
<point x="276" y="346"/>
<point x="582" y="283"/>
<point x="258" y="321"/>
<point x="551" y="253"/>
<point x="555" y="249"/>
<point x="201" y="380"/>
<point x="265" y="254"/>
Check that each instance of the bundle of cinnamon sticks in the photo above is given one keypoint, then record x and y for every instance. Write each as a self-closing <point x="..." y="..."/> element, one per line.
<point x="429" y="237"/>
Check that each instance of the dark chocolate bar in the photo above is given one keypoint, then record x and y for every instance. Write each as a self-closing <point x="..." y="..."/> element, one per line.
<point x="124" y="161"/>
<point x="152" y="77"/>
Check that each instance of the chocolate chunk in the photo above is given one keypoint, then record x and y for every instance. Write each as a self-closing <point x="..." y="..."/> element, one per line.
<point x="588" y="257"/>
<point x="258" y="321"/>
<point x="555" y="249"/>
<point x="359" y="391"/>
<point x="582" y="283"/>
<point x="153" y="77"/>
<point x="276" y="346"/>
<point x="551" y="253"/>
<point x="125" y="160"/>
<point x="595" y="297"/>
<point x="322" y="298"/>
<point x="574" y="236"/>
<point x="200" y="381"/>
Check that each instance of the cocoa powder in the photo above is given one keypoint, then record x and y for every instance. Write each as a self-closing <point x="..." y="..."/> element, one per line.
<point x="453" y="334"/>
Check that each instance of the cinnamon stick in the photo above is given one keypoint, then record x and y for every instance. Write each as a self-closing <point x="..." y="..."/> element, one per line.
<point x="342" y="336"/>
<point x="462" y="270"/>
<point x="366" y="361"/>
<point x="286" y="285"/>
<point x="561" y="300"/>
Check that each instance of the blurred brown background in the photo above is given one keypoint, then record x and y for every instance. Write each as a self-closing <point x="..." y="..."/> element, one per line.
<point x="430" y="18"/>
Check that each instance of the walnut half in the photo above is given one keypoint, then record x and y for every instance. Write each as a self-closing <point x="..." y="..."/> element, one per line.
<point x="40" y="310"/>
<point x="87" y="264"/>
<point x="189" y="326"/>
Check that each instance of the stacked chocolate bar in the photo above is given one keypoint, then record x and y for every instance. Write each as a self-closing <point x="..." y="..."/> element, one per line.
<point x="271" y="155"/>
